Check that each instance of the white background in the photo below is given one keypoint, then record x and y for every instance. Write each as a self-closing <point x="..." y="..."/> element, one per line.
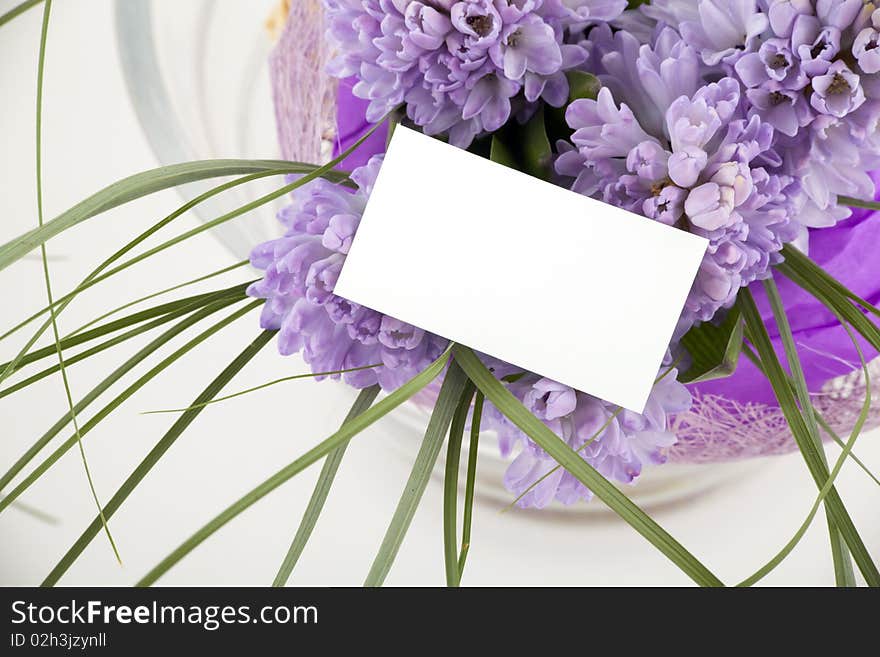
<point x="91" y="138"/>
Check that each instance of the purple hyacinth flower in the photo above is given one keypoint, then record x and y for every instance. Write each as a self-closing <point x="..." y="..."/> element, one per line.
<point x="725" y="29"/>
<point x="784" y="109"/>
<point x="838" y="92"/>
<point x="490" y="100"/>
<point x="710" y="206"/>
<point x="458" y="66"/>
<point x="648" y="160"/>
<point x="816" y="45"/>
<point x="783" y="13"/>
<point x="549" y="400"/>
<point x="667" y="207"/>
<point x="866" y="47"/>
<point x="529" y="45"/>
<point x="428" y="27"/>
<point x="774" y="62"/>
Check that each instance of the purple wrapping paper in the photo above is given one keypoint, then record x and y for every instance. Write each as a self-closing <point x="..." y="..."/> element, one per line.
<point x="351" y="123"/>
<point x="847" y="251"/>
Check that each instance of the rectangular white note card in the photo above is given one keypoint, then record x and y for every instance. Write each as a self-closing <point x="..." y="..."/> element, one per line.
<point x="546" y="279"/>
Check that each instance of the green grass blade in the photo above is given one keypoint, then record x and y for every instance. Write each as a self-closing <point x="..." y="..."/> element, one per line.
<point x="808" y="270"/>
<point x="827" y="428"/>
<point x="146" y="183"/>
<point x="41" y="469"/>
<point x="835" y="299"/>
<point x="18" y="10"/>
<point x="41" y="64"/>
<point x="845" y="453"/>
<point x="470" y="485"/>
<point x="108" y="382"/>
<point x="93" y="351"/>
<point x="95" y="276"/>
<point x="714" y="350"/>
<point x="843" y="571"/>
<point x="156" y="453"/>
<point x="229" y="216"/>
<point x="821" y="420"/>
<point x="247" y="391"/>
<point x="450" y="486"/>
<point x="757" y="334"/>
<point x="617" y="411"/>
<point x="454" y="384"/>
<point x="856" y="203"/>
<point x="153" y="295"/>
<point x="322" y="489"/>
<point x="511" y="407"/>
<point x="343" y="435"/>
<point x="325" y="170"/>
<point x="183" y="306"/>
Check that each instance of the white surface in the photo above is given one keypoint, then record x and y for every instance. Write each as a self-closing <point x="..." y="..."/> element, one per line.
<point x="499" y="261"/>
<point x="92" y="139"/>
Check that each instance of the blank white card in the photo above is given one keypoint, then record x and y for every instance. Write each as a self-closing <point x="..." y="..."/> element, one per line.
<point x="531" y="273"/>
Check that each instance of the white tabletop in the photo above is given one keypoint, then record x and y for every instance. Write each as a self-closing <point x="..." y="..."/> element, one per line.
<point x="91" y="138"/>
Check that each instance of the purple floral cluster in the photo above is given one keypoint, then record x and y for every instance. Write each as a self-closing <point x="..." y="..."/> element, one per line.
<point x="460" y="66"/>
<point x="301" y="269"/>
<point x="738" y="120"/>
<point x="810" y="69"/>
<point x="661" y="141"/>
<point x="333" y="334"/>
<point x="617" y="442"/>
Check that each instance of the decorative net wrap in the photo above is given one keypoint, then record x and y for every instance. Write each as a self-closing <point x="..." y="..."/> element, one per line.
<point x="720" y="429"/>
<point x="305" y="96"/>
<point x="715" y="429"/>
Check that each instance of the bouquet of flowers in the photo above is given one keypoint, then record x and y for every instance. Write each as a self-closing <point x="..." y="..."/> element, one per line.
<point x="751" y="123"/>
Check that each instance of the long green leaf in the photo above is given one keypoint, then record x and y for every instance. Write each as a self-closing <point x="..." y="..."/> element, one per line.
<point x="845" y="453"/>
<point x="537" y="154"/>
<point x="511" y="407"/>
<point x="159" y="293"/>
<point x="343" y="435"/>
<point x="18" y="10"/>
<point x="47" y="10"/>
<point x="582" y="85"/>
<point x="109" y="381"/>
<point x="836" y="301"/>
<point x="501" y="153"/>
<point x="714" y="350"/>
<point x="450" y="486"/>
<point x="156" y="453"/>
<point x="114" y="404"/>
<point x="843" y="571"/>
<point x="184" y="305"/>
<point x="322" y="489"/>
<point x="827" y="428"/>
<point x="325" y="170"/>
<point x="757" y="334"/>
<point x="589" y="441"/>
<point x="454" y="384"/>
<point x="809" y="270"/>
<point x="857" y="203"/>
<point x="144" y="184"/>
<point x="263" y="386"/>
<point x="96" y="276"/>
<point x="470" y="485"/>
<point x="92" y="351"/>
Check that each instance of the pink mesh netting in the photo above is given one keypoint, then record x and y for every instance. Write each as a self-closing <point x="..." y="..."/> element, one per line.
<point x="305" y="96"/>
<point x="715" y="429"/>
